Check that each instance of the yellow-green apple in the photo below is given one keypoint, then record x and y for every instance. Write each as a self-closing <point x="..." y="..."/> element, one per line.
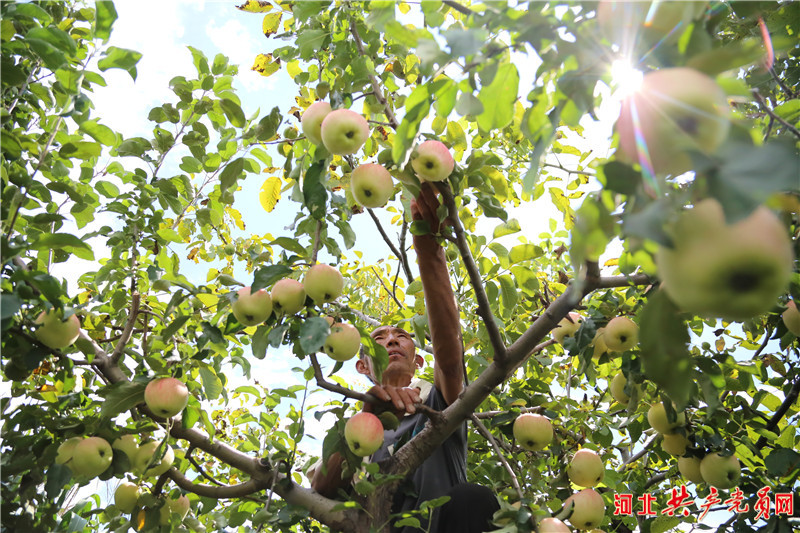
<point x="599" y="344"/>
<point x="675" y="111"/>
<point x="719" y="270"/>
<point x="625" y="22"/>
<point x="617" y="388"/>
<point x="288" y="296"/>
<point x="621" y="334"/>
<point x="363" y="433"/>
<point x="371" y="185"/>
<point x="553" y="525"/>
<point x="126" y="496"/>
<point x="720" y="472"/>
<point x="128" y="445"/>
<point x="674" y="443"/>
<point x="66" y="449"/>
<point x="344" y="132"/>
<point x="179" y="506"/>
<point x="251" y="309"/>
<point x="343" y="342"/>
<point x="588" y="509"/>
<point x="323" y="283"/>
<point x="432" y="161"/>
<point x="91" y="456"/>
<point x="146" y="455"/>
<point x="54" y="332"/>
<point x="586" y="468"/>
<point x="311" y="121"/>
<point x="568" y="326"/>
<point x="657" y="417"/>
<point x="689" y="467"/>
<point x="533" y="431"/>
<point x="166" y="396"/>
<point x="791" y="318"/>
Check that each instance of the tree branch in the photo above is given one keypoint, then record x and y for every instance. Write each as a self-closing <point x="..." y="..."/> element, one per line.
<point x="773" y="116"/>
<point x="215" y="491"/>
<point x="376" y="86"/>
<point x="126" y="334"/>
<point x="401" y="257"/>
<point x="499" y="452"/>
<point x="776" y="418"/>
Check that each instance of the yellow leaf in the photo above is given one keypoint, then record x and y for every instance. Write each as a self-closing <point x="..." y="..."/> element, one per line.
<point x="212" y="274"/>
<point x="404" y="7"/>
<point x="255" y="6"/>
<point x="293" y="67"/>
<point x="270" y="193"/>
<point x="236" y="215"/>
<point x="612" y="262"/>
<point x="271" y="23"/>
<point x="265" y="66"/>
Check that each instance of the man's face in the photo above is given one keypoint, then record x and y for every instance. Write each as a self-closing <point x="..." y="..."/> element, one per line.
<point x="403" y="358"/>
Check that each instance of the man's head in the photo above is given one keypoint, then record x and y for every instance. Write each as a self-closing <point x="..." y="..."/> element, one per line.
<point x="403" y="358"/>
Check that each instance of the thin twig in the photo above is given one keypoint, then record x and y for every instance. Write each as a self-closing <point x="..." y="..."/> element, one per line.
<point x="126" y="334"/>
<point x="772" y="114"/>
<point x="499" y="453"/>
<point x="391" y="245"/>
<point x="390" y="293"/>
<point x="376" y="86"/>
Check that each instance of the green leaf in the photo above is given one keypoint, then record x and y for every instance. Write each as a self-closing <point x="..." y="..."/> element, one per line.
<point x="649" y="222"/>
<point x="315" y="195"/>
<point x="121" y="397"/>
<point x="289" y="244"/>
<point x="53" y="58"/>
<point x="506" y="228"/>
<point x="56" y="37"/>
<point x="80" y="150"/>
<point x="106" y="188"/>
<point x="32" y="10"/>
<point x="621" y="178"/>
<point x="169" y="235"/>
<point x="66" y="242"/>
<point x="199" y="60"/>
<point x="173" y="328"/>
<point x="313" y="333"/>
<point x="268" y="126"/>
<point x="261" y="342"/>
<point x="120" y="58"/>
<point x="417" y="106"/>
<point x="105" y="15"/>
<point x="498" y="99"/>
<point x="212" y="385"/>
<point x="98" y="132"/>
<point x="268" y="275"/>
<point x="190" y="164"/>
<point x="276" y="336"/>
<point x="524" y="252"/>
<point x="463" y="42"/>
<point x="233" y="112"/>
<point x="231" y="174"/>
<point x="782" y="462"/>
<point x="508" y="291"/>
<point x="135" y="146"/>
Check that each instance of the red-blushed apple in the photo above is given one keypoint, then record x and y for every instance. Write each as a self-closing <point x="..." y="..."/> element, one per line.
<point x="553" y="525"/>
<point x="433" y="161"/>
<point x="621" y="334"/>
<point x="568" y="326"/>
<point x="363" y="433"/>
<point x="791" y="318"/>
<point x="323" y="283"/>
<point x="66" y="449"/>
<point x="588" y="509"/>
<point x="54" y="332"/>
<point x="689" y="467"/>
<point x="371" y="185"/>
<point x="586" y="468"/>
<point x="91" y="457"/>
<point x="344" y="132"/>
<point x="288" y="297"/>
<point x="127" y="444"/>
<point x="343" y="342"/>
<point x="533" y="431"/>
<point x="657" y="417"/>
<point x="126" y="496"/>
<point x="146" y="455"/>
<point x="166" y="396"/>
<point x="311" y="121"/>
<point x="599" y="344"/>
<point x="675" y="111"/>
<point x="617" y="388"/>
<point x="674" y="444"/>
<point x="730" y="271"/>
<point x="251" y="309"/>
<point x="720" y="472"/>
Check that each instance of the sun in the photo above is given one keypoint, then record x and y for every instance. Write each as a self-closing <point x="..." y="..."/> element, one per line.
<point x="625" y="78"/>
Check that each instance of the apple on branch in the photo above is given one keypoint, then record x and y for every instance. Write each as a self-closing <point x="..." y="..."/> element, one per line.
<point x="56" y="333"/>
<point x="553" y="525"/>
<point x="344" y="132"/>
<point x="588" y="509"/>
<point x="621" y="334"/>
<point x="689" y="467"/>
<point x="674" y="443"/>
<point x="288" y="296"/>
<point x="65" y="451"/>
<point x="720" y="471"/>
<point x="586" y="468"/>
<point x="91" y="457"/>
<point x="432" y="161"/>
<point x="323" y="283"/>
<point x="791" y="318"/>
<point x="146" y="455"/>
<point x="311" y="122"/>
<point x="617" y="388"/>
<point x="567" y="327"/>
<point x="127" y="444"/>
<point x="251" y="309"/>
<point x="166" y="396"/>
<point x="657" y="417"/>
<point x="371" y="185"/>
<point x="363" y="434"/>
<point x="125" y="496"/>
<point x="179" y="506"/>
<point x="343" y="342"/>
<point x="533" y="431"/>
<point x="599" y="346"/>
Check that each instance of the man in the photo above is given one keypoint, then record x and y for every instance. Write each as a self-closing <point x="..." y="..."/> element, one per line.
<point x="443" y="473"/>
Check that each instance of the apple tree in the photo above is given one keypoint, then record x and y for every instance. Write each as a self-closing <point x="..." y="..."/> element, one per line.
<point x="641" y="342"/>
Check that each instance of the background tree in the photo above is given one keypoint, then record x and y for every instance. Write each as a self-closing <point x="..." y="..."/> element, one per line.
<point x="511" y="91"/>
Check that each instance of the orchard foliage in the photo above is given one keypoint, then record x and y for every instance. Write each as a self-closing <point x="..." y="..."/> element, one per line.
<point x="514" y="93"/>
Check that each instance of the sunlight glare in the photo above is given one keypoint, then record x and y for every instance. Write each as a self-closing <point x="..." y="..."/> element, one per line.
<point x="625" y="78"/>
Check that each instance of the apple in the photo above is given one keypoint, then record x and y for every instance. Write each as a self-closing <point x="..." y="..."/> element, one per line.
<point x="621" y="334"/>
<point x="288" y="296"/>
<point x="179" y="506"/>
<point x="371" y="185"/>
<point x="791" y="318"/>
<point x="66" y="449"/>
<point x="126" y="496"/>
<point x="91" y="457"/>
<point x="675" y="111"/>
<point x="599" y="344"/>
<point x="568" y="326"/>
<point x="251" y="309"/>
<point x="145" y="455"/>
<point x="343" y="342"/>
<point x="674" y="444"/>
<point x="729" y="271"/>
<point x="689" y="467"/>
<point x="533" y="431"/>
<point x="363" y="433"/>
<point x="54" y="332"/>
<point x="166" y="397"/>
<point x="588" y="509"/>
<point x="323" y="283"/>
<point x="433" y="161"/>
<point x="657" y="417"/>
<point x="720" y="472"/>
<point x="311" y="122"/>
<point x="625" y="22"/>
<point x="344" y="132"/>
<point x="128" y="445"/>
<point x="553" y="525"/>
<point x="586" y="468"/>
<point x="617" y="388"/>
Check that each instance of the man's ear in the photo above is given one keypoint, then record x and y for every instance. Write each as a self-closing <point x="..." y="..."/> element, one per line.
<point x="362" y="367"/>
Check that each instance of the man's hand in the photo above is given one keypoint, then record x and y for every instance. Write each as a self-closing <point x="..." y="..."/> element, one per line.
<point x="424" y="207"/>
<point x="401" y="398"/>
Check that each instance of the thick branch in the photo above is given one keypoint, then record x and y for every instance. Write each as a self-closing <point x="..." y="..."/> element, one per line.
<point x="216" y="491"/>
